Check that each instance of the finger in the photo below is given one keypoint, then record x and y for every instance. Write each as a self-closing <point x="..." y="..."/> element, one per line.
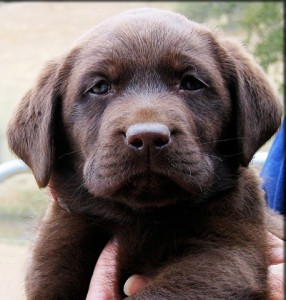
<point x="134" y="284"/>
<point x="276" y="280"/>
<point x="276" y="247"/>
<point x="103" y="284"/>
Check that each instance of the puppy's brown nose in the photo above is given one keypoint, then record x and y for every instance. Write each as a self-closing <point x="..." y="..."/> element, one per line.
<point x="142" y="136"/>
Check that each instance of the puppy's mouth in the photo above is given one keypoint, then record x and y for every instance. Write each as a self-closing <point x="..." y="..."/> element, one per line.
<point x="149" y="183"/>
<point x="148" y="190"/>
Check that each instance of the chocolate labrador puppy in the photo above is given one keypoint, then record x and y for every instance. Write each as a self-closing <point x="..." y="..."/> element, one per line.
<point x="144" y="132"/>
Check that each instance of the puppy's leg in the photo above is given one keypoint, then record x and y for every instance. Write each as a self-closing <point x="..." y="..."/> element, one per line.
<point x="215" y="274"/>
<point x="64" y="255"/>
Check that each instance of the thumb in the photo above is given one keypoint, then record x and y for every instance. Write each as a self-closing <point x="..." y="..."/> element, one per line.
<point x="103" y="282"/>
<point x="134" y="283"/>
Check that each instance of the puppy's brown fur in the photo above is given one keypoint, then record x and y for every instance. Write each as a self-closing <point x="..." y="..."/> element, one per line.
<point x="190" y="215"/>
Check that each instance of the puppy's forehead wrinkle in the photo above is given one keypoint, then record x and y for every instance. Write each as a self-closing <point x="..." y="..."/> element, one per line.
<point x="148" y="19"/>
<point x="164" y="39"/>
<point x="130" y="37"/>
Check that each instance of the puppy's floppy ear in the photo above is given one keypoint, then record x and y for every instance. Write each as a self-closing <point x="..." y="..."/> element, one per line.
<point x="257" y="110"/>
<point x="30" y="131"/>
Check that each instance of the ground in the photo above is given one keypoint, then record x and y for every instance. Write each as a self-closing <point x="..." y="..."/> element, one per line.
<point x="12" y="264"/>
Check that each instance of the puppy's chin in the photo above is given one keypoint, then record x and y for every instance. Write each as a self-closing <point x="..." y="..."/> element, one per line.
<point x="150" y="190"/>
<point x="147" y="190"/>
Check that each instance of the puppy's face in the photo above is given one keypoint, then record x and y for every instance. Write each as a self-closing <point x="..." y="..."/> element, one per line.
<point x="152" y="106"/>
<point x="143" y="74"/>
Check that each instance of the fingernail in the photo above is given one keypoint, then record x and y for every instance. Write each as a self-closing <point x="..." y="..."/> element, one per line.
<point x="133" y="284"/>
<point x="277" y="255"/>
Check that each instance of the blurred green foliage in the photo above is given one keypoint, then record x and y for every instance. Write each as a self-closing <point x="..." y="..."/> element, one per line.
<point x="265" y="20"/>
<point x="261" y="22"/>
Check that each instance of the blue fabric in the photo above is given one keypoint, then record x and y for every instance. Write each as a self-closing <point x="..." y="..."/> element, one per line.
<point x="273" y="173"/>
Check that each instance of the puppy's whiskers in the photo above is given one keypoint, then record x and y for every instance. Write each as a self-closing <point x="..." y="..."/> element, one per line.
<point x="214" y="156"/>
<point x="69" y="153"/>
<point x="222" y="140"/>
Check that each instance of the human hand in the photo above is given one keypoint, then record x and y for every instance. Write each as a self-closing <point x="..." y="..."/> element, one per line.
<point x="276" y="268"/>
<point x="103" y="282"/>
<point x="102" y="285"/>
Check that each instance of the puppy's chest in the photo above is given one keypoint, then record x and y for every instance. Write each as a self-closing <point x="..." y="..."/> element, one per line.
<point x="146" y="249"/>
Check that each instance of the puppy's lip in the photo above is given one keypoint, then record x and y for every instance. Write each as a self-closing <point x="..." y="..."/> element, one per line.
<point x="152" y="183"/>
<point x="168" y="191"/>
<point x="174" y="178"/>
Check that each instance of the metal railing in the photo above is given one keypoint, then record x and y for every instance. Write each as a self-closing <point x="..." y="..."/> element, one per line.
<point x="259" y="159"/>
<point x="11" y="168"/>
<point x="14" y="167"/>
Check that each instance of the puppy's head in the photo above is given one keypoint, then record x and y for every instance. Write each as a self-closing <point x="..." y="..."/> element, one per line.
<point x="148" y="108"/>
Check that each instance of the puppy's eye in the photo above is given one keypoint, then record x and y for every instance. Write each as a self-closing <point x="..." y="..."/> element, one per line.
<point x="191" y="83"/>
<point x="101" y="87"/>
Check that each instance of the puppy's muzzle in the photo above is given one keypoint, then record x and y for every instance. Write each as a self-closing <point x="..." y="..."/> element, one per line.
<point x="150" y="136"/>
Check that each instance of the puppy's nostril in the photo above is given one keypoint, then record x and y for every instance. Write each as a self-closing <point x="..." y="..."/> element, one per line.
<point x="136" y="142"/>
<point x="161" y="141"/>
